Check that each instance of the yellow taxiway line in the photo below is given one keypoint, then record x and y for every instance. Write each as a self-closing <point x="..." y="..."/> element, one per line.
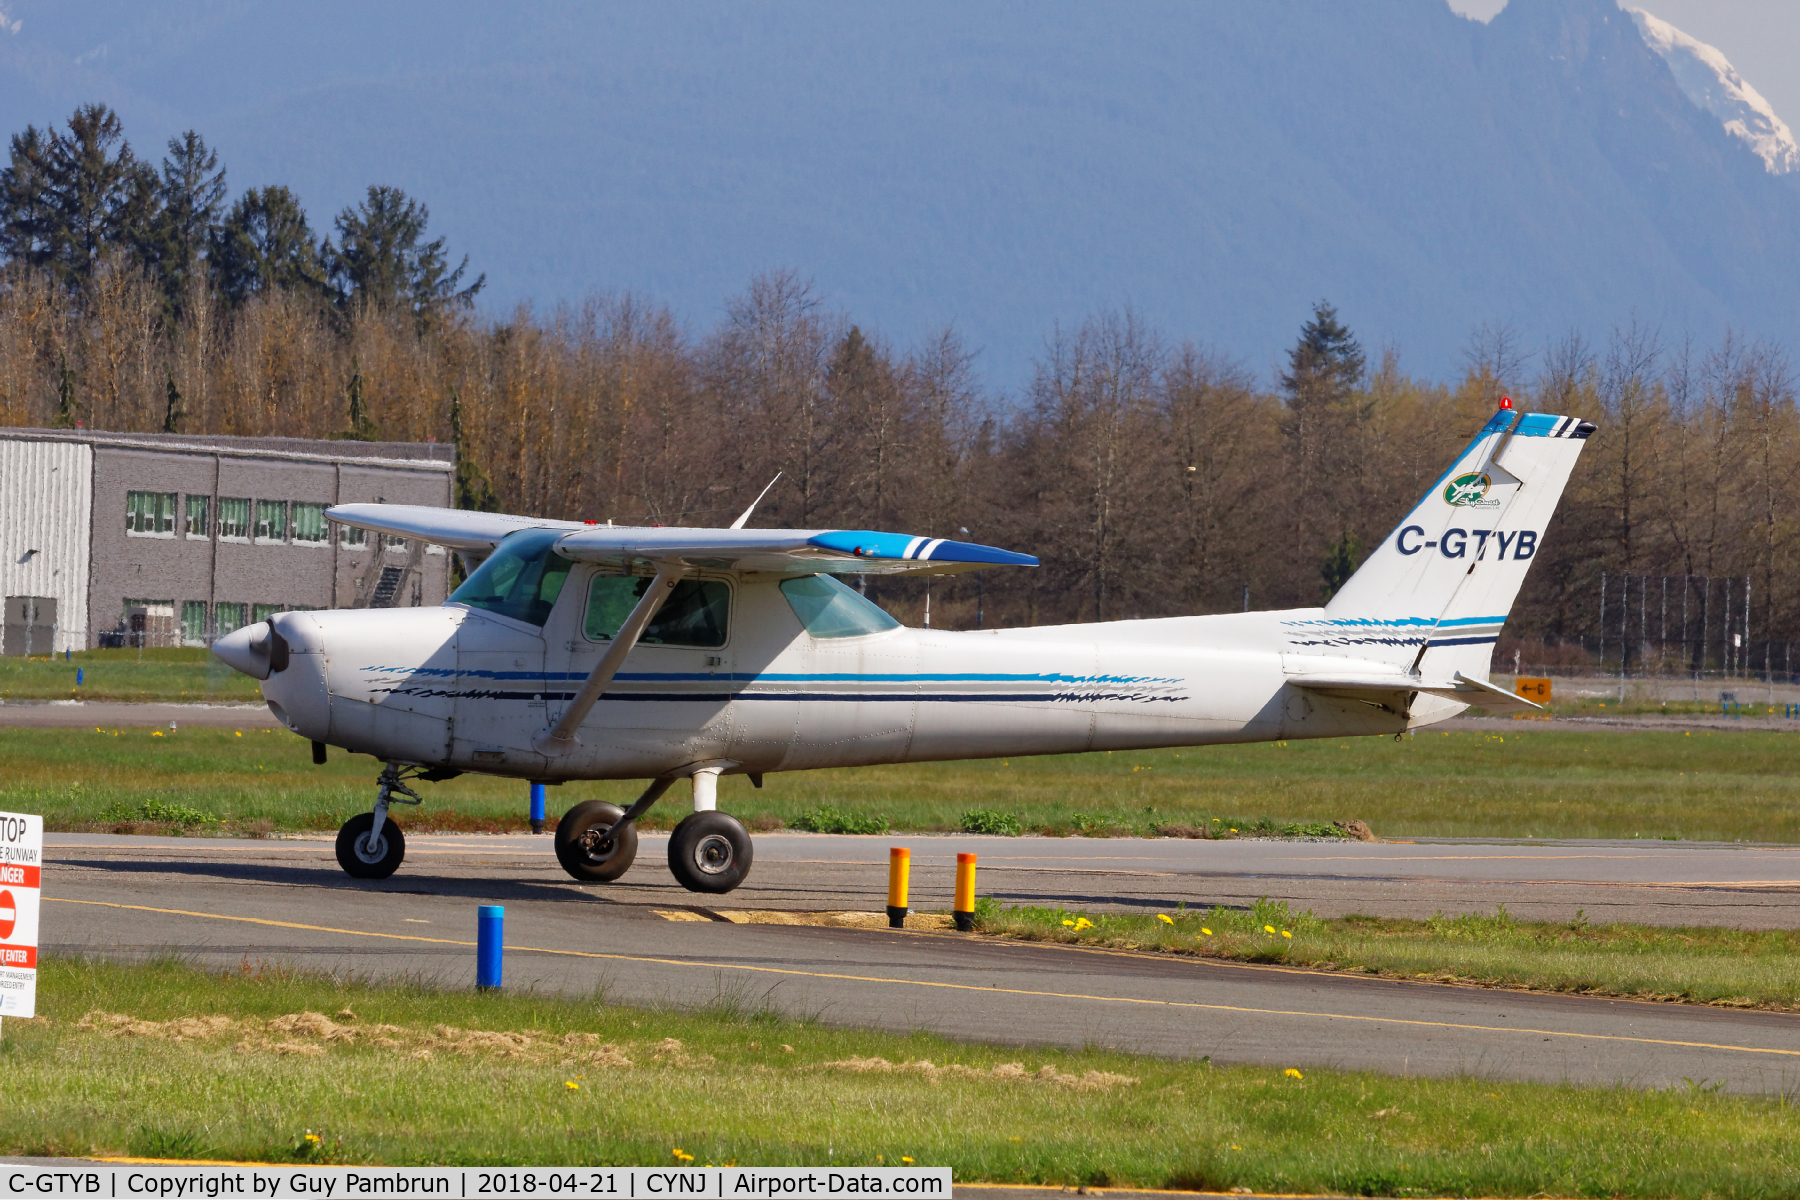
<point x="958" y="987"/>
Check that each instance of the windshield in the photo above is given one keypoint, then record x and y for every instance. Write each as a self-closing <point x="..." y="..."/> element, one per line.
<point x="521" y="578"/>
<point x="693" y="615"/>
<point x="828" y="609"/>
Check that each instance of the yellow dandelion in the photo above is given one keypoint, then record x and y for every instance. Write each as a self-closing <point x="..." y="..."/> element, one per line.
<point x="1070" y="923"/>
<point x="1286" y="934"/>
<point x="1165" y="918"/>
<point x="156" y="733"/>
<point x="1291" y="1073"/>
<point x="1206" y="931"/>
<point x="240" y="733"/>
<point x="1268" y="929"/>
<point x="571" y="1085"/>
<point x="906" y="1160"/>
<point x="1234" y="831"/>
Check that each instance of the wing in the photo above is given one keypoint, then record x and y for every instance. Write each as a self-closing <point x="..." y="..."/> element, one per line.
<point x="791" y="551"/>
<point x="832" y="551"/>
<point x="453" y="527"/>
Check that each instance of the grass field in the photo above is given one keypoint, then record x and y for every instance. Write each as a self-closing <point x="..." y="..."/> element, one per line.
<point x="160" y="1060"/>
<point x="187" y="674"/>
<point x="1727" y="967"/>
<point x="1532" y="783"/>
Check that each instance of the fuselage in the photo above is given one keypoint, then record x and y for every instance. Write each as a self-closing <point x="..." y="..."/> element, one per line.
<point x="465" y="688"/>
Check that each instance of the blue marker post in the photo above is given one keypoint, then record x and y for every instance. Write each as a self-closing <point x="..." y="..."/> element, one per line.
<point x="490" y="942"/>
<point x="537" y="808"/>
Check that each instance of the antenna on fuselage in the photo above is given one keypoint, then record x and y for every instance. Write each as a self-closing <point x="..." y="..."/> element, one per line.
<point x="739" y="523"/>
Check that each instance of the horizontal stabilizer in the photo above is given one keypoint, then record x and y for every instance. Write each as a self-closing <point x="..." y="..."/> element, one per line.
<point x="792" y="551"/>
<point x="1461" y="689"/>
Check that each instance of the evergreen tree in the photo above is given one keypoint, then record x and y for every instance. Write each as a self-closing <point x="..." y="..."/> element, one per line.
<point x="1326" y="364"/>
<point x="361" y="428"/>
<point x="172" y="417"/>
<point x="264" y="244"/>
<point x="68" y="198"/>
<point x="382" y="260"/>
<point x="1340" y="564"/>
<point x="65" y="396"/>
<point x="192" y="189"/>
<point x="473" y="491"/>
<point x="1324" y="368"/>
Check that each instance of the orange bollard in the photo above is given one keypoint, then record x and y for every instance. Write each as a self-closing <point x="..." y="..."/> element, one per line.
<point x="899" y="867"/>
<point x="964" y="908"/>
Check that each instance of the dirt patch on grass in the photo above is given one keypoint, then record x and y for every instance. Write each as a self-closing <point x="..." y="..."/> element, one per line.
<point x="312" y="1033"/>
<point x="1088" y="1081"/>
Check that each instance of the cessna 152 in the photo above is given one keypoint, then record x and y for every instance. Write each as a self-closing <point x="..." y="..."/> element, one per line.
<point x="584" y="651"/>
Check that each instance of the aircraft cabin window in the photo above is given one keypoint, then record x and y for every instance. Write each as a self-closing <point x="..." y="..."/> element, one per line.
<point x="829" y="609"/>
<point x="694" y="614"/>
<point x="521" y="578"/>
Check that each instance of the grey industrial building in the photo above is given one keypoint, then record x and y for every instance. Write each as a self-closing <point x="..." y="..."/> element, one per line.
<point x="167" y="539"/>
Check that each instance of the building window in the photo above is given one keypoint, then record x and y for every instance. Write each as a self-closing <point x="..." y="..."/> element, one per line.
<point x="271" y="520"/>
<point x="150" y="514"/>
<point x="396" y="544"/>
<point x="234" y="518"/>
<point x="193" y="623"/>
<point x="196" y="525"/>
<point x="309" y="524"/>
<point x="262" y="612"/>
<point x="228" y="616"/>
<point x="352" y="536"/>
<point x="150" y="623"/>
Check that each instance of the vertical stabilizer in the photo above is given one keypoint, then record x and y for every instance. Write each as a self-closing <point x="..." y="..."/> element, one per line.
<point x="1432" y="598"/>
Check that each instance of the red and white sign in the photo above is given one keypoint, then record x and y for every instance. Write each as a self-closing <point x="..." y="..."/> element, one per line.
<point x="21" y="864"/>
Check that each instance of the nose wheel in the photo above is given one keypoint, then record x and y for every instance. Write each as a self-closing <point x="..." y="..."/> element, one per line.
<point x="369" y="845"/>
<point x="710" y="852"/>
<point x="370" y="857"/>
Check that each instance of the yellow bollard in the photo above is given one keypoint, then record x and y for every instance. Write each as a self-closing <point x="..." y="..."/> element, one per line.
<point x="964" y="908"/>
<point x="899" y="866"/>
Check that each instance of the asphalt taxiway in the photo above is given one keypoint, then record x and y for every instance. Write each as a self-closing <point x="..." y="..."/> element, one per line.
<point x="646" y="941"/>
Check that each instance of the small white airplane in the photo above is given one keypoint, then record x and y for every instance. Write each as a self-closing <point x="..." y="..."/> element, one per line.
<point x="584" y="651"/>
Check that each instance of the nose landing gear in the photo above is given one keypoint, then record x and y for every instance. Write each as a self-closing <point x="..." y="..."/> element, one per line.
<point x="369" y="846"/>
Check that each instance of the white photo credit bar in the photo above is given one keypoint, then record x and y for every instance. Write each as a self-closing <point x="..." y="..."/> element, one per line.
<point x="79" y="1181"/>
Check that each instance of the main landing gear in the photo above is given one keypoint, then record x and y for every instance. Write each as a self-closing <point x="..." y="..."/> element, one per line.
<point x="370" y="846"/>
<point x="708" y="852"/>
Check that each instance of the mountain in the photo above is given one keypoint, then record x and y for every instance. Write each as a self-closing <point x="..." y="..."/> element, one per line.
<point x="1711" y="82"/>
<point x="1005" y="166"/>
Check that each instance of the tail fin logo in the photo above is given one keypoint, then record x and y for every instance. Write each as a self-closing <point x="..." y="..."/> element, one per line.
<point x="1467" y="491"/>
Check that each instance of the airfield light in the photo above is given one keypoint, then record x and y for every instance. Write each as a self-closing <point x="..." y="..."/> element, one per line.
<point x="1506" y="402"/>
<point x="899" y="867"/>
<point x="964" y="908"/>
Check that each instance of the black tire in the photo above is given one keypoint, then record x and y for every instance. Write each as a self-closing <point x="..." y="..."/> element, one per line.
<point x="710" y="852"/>
<point x="354" y="856"/>
<point x="602" y="861"/>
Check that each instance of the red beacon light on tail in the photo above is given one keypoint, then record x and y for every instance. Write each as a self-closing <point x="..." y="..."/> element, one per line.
<point x="1505" y="403"/>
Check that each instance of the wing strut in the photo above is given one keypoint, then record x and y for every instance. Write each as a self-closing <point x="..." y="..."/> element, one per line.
<point x="561" y="739"/>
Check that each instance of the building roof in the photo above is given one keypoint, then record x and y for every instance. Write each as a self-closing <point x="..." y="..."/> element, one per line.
<point x="427" y="456"/>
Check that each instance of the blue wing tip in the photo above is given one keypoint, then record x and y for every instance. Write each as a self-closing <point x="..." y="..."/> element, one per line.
<point x="869" y="543"/>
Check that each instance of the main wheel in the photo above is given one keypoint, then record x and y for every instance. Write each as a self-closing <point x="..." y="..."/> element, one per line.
<point x="710" y="852"/>
<point x="586" y="855"/>
<point x="359" y="858"/>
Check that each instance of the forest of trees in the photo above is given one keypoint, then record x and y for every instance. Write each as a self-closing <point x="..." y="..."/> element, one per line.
<point x="1153" y="476"/>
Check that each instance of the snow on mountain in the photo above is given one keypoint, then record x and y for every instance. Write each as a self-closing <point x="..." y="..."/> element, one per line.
<point x="1711" y="82"/>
